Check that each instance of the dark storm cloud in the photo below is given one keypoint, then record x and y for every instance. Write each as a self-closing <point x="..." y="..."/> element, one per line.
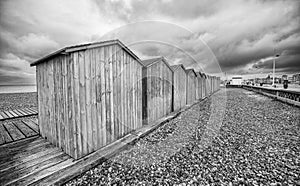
<point x="179" y="9"/>
<point x="241" y="34"/>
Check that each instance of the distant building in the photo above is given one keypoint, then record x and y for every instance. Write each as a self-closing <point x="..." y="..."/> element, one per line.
<point x="268" y="80"/>
<point x="284" y="77"/>
<point x="236" y="80"/>
<point x="296" y="78"/>
<point x="277" y="80"/>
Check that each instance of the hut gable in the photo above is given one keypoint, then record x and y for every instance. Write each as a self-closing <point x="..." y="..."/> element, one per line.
<point x="188" y="71"/>
<point x="76" y="48"/>
<point x="176" y="67"/>
<point x="152" y="61"/>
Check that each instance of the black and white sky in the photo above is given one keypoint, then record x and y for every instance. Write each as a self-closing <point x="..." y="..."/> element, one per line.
<point x="239" y="36"/>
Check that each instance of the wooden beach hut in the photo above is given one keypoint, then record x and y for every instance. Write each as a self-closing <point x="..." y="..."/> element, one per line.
<point x="179" y="92"/>
<point x="202" y="85"/>
<point x="205" y="94"/>
<point x="157" y="89"/>
<point x="209" y="85"/>
<point x="214" y="83"/>
<point x="199" y="86"/>
<point x="89" y="95"/>
<point x="191" y="85"/>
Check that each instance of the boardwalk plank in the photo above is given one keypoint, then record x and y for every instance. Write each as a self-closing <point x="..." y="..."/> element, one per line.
<point x="25" y="129"/>
<point x="4" y="134"/>
<point x="14" y="114"/>
<point x="3" y="115"/>
<point x="42" y="174"/>
<point x="17" y="154"/>
<point x="27" y="155"/>
<point x="24" y="112"/>
<point x="31" y="171"/>
<point x="8" y="114"/>
<point x="28" y="111"/>
<point x="34" y="111"/>
<point x="31" y="125"/>
<point x="32" y="162"/>
<point x="6" y="149"/>
<point x="13" y="131"/>
<point x="18" y="113"/>
<point x="21" y="111"/>
<point x="25" y="162"/>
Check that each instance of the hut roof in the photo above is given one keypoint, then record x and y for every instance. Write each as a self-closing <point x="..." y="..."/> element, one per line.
<point x="201" y="74"/>
<point x="190" y="70"/>
<point x="149" y="62"/>
<point x="175" y="67"/>
<point x="74" y="48"/>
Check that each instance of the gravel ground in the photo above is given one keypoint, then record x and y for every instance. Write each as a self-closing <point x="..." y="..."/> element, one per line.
<point x="256" y="144"/>
<point x="10" y="101"/>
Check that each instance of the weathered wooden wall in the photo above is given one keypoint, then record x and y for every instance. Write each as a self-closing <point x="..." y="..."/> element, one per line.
<point x="179" y="87"/>
<point x="199" y="86"/>
<point x="202" y="85"/>
<point x="208" y="88"/>
<point x="158" y="84"/>
<point x="89" y="98"/>
<point x="191" y="86"/>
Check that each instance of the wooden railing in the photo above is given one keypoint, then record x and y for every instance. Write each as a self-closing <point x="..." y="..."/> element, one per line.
<point x="287" y="96"/>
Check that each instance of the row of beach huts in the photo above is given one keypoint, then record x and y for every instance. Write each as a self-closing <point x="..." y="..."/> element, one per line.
<point x="94" y="94"/>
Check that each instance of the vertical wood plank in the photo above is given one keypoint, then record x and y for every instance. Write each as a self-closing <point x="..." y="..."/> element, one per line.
<point x="40" y="89"/>
<point x="132" y="64"/>
<point x="122" y="93"/>
<point x="107" y="95"/>
<point x="125" y="94"/>
<point x="111" y="95"/>
<point x="49" y="105"/>
<point x="93" y="100"/>
<point x="81" y="61"/>
<point x="65" y="103"/>
<point x="149" y="103"/>
<point x="76" y="107"/>
<point x="73" y="128"/>
<point x="140" y="96"/>
<point x="56" y="100"/>
<point x="118" y="91"/>
<point x="87" y="61"/>
<point x="103" y="95"/>
<point x="130" y="95"/>
<point x="155" y="90"/>
<point x="98" y="98"/>
<point x="61" y="112"/>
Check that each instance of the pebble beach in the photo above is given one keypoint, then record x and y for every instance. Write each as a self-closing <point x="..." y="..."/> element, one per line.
<point x="11" y="101"/>
<point x="257" y="143"/>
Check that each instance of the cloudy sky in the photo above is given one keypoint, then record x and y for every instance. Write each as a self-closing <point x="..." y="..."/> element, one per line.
<point x="236" y="36"/>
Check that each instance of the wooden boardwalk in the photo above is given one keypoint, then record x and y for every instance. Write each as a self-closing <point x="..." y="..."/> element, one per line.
<point x="9" y="114"/>
<point x="27" y="161"/>
<point x="11" y="131"/>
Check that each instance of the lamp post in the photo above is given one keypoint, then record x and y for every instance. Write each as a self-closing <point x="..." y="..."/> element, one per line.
<point x="275" y="56"/>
